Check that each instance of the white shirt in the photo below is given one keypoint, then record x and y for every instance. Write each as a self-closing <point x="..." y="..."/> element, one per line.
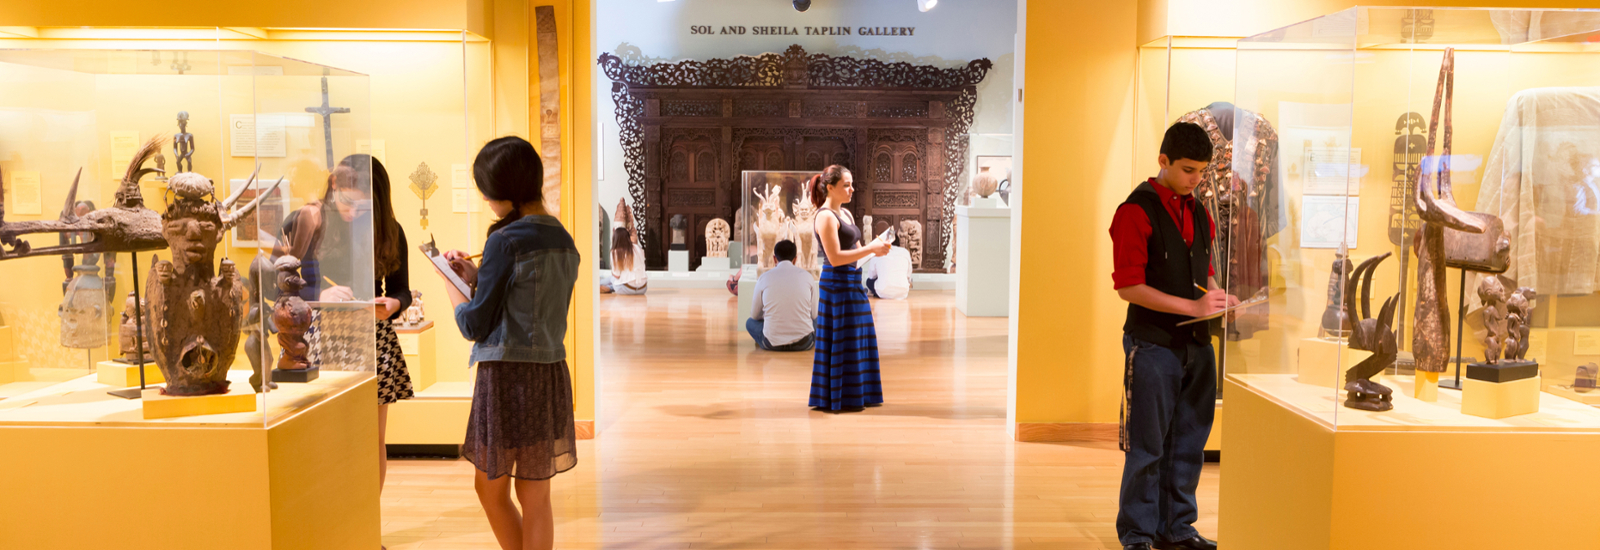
<point x="786" y="300"/>
<point x="633" y="276"/>
<point x="893" y="273"/>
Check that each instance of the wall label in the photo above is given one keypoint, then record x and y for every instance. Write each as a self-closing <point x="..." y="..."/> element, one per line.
<point x="808" y="31"/>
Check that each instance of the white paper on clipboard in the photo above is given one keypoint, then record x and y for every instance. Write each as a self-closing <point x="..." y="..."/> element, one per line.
<point x="443" y="265"/>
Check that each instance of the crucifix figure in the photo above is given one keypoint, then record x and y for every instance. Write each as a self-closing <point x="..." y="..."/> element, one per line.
<point x="327" y="124"/>
<point x="183" y="144"/>
<point x="180" y="62"/>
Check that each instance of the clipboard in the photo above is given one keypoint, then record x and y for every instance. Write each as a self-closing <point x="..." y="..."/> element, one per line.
<point x="443" y="265"/>
<point x="1258" y="299"/>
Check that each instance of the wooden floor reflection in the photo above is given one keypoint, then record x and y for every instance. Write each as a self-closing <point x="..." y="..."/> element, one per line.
<point x="707" y="443"/>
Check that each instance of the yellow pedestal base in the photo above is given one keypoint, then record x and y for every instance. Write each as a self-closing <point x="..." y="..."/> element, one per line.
<point x="1294" y="479"/>
<point x="118" y="374"/>
<point x="1591" y="397"/>
<point x="1323" y="363"/>
<point x="307" y="480"/>
<point x="1427" y="387"/>
<point x="416" y="344"/>
<point x="169" y="406"/>
<point x="1503" y="400"/>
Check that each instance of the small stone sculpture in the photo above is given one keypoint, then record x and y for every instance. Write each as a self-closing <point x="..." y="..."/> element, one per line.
<point x="911" y="240"/>
<point x="1585" y="381"/>
<point x="198" y="309"/>
<point x="804" y="232"/>
<point x="1335" y="321"/>
<point x="717" y="238"/>
<point x="1369" y="334"/>
<point x="83" y="309"/>
<point x="291" y="315"/>
<point x="128" y="329"/>
<point x="679" y="226"/>
<point x="1493" y="294"/>
<point x="259" y="288"/>
<point x="1519" y="321"/>
<point x="868" y="232"/>
<point x="414" y="315"/>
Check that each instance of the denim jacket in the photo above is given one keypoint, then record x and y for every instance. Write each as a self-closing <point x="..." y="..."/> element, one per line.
<point x="519" y="312"/>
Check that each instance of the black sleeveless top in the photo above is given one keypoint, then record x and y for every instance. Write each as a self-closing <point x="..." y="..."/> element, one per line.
<point x="849" y="235"/>
<point x="1174" y="268"/>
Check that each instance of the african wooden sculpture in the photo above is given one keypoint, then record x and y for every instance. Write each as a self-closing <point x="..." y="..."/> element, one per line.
<point x="1376" y="335"/>
<point x="198" y="309"/>
<point x="83" y="308"/>
<point x="1493" y="294"/>
<point x="291" y="315"/>
<point x="126" y="226"/>
<point x="1431" y="329"/>
<point x="1519" y="319"/>
<point x="805" y="234"/>
<point x="1335" y="321"/>
<point x="259" y="288"/>
<point x="717" y="238"/>
<point x="132" y="352"/>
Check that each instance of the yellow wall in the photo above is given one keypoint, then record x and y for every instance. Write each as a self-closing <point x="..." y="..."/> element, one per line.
<point x="1159" y="18"/>
<point x="471" y="15"/>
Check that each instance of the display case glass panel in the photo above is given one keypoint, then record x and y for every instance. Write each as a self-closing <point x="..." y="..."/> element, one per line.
<point x="776" y="206"/>
<point x="217" y="119"/>
<point x="1372" y="110"/>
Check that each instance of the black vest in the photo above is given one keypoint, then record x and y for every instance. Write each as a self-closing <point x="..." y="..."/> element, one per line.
<point x="1172" y="267"/>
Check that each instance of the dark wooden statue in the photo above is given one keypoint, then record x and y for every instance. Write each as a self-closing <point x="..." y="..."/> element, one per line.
<point x="126" y="226"/>
<point x="291" y="316"/>
<point x="1335" y="322"/>
<point x="198" y="309"/>
<point x="260" y="287"/>
<point x="132" y="352"/>
<point x="1493" y="294"/>
<point x="1430" y="342"/>
<point x="1519" y="319"/>
<point x="1369" y="334"/>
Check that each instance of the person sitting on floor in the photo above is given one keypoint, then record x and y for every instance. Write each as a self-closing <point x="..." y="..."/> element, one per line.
<point x="783" y="310"/>
<point x="627" y="265"/>
<point x="889" y="277"/>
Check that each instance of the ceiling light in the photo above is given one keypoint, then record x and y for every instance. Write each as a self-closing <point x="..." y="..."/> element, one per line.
<point x="925" y="5"/>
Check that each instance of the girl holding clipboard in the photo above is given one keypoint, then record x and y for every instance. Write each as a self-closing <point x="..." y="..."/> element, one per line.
<point x="844" y="373"/>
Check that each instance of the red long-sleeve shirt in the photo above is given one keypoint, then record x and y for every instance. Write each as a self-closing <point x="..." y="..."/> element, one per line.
<point x="1130" y="235"/>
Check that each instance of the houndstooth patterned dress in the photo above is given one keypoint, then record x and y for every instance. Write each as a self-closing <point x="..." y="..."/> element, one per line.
<point x="331" y="349"/>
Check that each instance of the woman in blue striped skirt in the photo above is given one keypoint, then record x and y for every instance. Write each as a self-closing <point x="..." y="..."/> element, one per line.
<point x="844" y="375"/>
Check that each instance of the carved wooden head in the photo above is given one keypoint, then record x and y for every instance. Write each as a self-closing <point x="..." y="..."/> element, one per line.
<point x="289" y="281"/>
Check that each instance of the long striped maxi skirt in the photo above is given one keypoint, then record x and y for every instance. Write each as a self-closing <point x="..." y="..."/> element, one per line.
<point x="844" y="373"/>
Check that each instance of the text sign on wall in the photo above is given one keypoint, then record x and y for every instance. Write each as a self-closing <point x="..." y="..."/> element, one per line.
<point x="803" y="31"/>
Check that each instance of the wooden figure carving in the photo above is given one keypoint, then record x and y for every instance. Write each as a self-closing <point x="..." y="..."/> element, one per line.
<point x="128" y="329"/>
<point x="198" y="309"/>
<point x="291" y="315"/>
<point x="770" y="221"/>
<point x="126" y="226"/>
<point x="717" y="238"/>
<point x="1519" y="321"/>
<point x="1493" y="294"/>
<point x="680" y="227"/>
<point x="1376" y="335"/>
<point x="259" y="288"/>
<point x="805" y="234"/>
<point x="1431" y="329"/>
<point x="911" y="239"/>
<point x="1335" y="321"/>
<point x="83" y="309"/>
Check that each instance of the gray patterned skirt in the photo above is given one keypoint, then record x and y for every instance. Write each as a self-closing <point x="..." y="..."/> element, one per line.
<point x="521" y="423"/>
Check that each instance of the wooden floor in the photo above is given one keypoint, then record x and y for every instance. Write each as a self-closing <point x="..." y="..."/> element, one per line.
<point x="707" y="443"/>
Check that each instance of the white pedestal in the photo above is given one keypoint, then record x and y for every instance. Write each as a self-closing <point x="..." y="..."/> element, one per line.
<point x="678" y="261"/>
<point x="747" y="291"/>
<point x="709" y="264"/>
<point x="983" y="261"/>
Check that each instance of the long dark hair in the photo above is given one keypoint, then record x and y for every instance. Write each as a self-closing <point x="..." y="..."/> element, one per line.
<point x="820" y="183"/>
<point x="622" y="249"/>
<point x="509" y="169"/>
<point x="351" y="173"/>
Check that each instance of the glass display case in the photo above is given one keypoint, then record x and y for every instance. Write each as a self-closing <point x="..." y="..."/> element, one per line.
<point x="113" y="161"/>
<point x="776" y="206"/>
<point x="1431" y="175"/>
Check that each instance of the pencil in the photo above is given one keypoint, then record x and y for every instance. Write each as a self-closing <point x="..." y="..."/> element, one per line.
<point x="1202" y="289"/>
<point x="330" y="281"/>
<point x="475" y="256"/>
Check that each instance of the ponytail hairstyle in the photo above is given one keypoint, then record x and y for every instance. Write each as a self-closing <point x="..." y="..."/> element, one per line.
<point x="821" y="183"/>
<point x="509" y="169"/>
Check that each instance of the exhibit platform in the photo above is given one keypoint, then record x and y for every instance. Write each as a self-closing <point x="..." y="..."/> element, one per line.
<point x="1304" y="472"/>
<point x="297" y="473"/>
<point x="719" y="279"/>
<point x="437" y="415"/>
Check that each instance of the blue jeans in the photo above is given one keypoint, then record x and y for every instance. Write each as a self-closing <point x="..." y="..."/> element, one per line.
<point x="1171" y="401"/>
<point x="872" y="287"/>
<point x="754" y="326"/>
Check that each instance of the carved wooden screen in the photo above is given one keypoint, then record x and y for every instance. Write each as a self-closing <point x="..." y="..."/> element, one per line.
<point x="689" y="128"/>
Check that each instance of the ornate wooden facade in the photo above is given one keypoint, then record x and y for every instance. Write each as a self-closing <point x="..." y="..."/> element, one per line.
<point x="689" y="128"/>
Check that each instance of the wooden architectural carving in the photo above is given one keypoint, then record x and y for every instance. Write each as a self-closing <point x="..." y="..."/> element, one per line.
<point x="689" y="128"/>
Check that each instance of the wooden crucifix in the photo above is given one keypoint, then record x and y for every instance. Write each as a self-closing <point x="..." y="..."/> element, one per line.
<point x="327" y="113"/>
